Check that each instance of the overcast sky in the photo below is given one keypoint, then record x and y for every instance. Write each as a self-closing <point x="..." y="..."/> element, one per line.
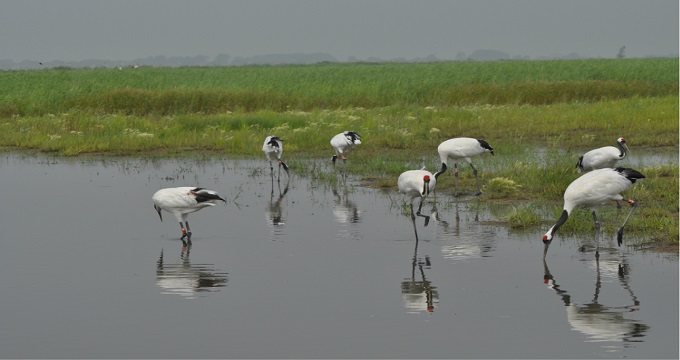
<point x="74" y="30"/>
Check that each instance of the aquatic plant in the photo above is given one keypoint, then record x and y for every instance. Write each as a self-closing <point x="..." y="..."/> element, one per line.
<point x="501" y="188"/>
<point x="524" y="216"/>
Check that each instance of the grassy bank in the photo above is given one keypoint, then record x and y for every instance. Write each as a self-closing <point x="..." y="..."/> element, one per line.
<point x="645" y="122"/>
<point x="538" y="115"/>
<point x="214" y="90"/>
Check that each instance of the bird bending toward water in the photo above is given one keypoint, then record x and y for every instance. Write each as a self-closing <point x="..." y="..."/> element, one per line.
<point x="594" y="189"/>
<point x="461" y="148"/>
<point x="181" y="201"/>
<point x="344" y="142"/>
<point x="604" y="157"/>
<point x="272" y="148"/>
<point x="416" y="183"/>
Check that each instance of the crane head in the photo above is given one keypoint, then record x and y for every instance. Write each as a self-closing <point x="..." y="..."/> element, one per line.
<point x="426" y="185"/>
<point x="158" y="210"/>
<point x="547" y="239"/>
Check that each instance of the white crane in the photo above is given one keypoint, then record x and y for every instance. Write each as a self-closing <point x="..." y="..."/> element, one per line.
<point x="594" y="189"/>
<point x="272" y="148"/>
<point x="416" y="183"/>
<point x="461" y="148"/>
<point x="343" y="143"/>
<point x="181" y="201"/>
<point x="604" y="157"/>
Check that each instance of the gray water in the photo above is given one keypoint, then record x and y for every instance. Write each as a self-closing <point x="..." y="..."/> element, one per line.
<point x="87" y="270"/>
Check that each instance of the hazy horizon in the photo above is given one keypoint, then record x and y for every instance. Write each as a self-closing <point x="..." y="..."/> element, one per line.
<point x="76" y="30"/>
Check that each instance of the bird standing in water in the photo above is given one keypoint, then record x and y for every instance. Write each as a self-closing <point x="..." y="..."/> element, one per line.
<point x="461" y="148"/>
<point x="594" y="189"/>
<point x="181" y="201"/>
<point x="343" y="143"/>
<point x="272" y="148"/>
<point x="416" y="183"/>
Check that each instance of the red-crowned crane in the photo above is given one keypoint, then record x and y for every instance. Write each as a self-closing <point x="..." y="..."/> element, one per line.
<point x="272" y="148"/>
<point x="604" y="157"/>
<point x="594" y="189"/>
<point x="416" y="183"/>
<point x="181" y="201"/>
<point x="461" y="148"/>
<point x="344" y="142"/>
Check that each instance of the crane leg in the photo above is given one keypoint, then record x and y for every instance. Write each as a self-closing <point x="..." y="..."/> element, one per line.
<point x="474" y="170"/>
<point x="186" y="222"/>
<point x="455" y="172"/>
<point x="597" y="235"/>
<point x="184" y="231"/>
<point x="344" y="169"/>
<point x="619" y="235"/>
<point x="596" y="221"/>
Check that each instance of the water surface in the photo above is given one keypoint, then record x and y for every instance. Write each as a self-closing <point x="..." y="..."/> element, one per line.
<point x="302" y="270"/>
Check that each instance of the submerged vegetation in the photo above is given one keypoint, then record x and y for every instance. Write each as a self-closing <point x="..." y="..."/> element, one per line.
<point x="538" y="115"/>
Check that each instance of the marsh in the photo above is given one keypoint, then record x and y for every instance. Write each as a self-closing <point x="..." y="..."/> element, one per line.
<point x="303" y="269"/>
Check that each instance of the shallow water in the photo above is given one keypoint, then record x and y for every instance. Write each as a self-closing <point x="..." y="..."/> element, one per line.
<point x="308" y="270"/>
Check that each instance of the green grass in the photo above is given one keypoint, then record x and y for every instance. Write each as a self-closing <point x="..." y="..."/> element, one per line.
<point x="524" y="216"/>
<point x="538" y="115"/>
<point x="644" y="122"/>
<point x="213" y="90"/>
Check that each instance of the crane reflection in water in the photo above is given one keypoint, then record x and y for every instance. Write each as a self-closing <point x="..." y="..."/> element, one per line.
<point x="274" y="211"/>
<point x="346" y="212"/>
<point x="186" y="279"/>
<point x="460" y="241"/>
<point x="597" y="321"/>
<point x="417" y="292"/>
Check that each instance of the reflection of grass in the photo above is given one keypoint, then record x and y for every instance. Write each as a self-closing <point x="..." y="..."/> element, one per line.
<point x="538" y="116"/>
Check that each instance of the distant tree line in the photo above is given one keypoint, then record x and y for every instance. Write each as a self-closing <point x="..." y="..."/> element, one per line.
<point x="271" y="59"/>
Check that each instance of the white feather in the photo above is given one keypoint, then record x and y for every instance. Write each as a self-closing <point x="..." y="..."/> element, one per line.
<point x="272" y="152"/>
<point x="604" y="157"/>
<point x="411" y="183"/>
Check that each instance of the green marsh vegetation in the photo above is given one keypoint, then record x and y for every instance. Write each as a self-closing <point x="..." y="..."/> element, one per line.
<point x="538" y="115"/>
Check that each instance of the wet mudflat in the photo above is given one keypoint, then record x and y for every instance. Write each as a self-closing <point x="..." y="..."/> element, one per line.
<point x="307" y="270"/>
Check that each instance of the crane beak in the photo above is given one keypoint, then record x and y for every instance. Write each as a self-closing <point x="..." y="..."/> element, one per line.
<point x="158" y="210"/>
<point x="546" y="244"/>
<point x="426" y="185"/>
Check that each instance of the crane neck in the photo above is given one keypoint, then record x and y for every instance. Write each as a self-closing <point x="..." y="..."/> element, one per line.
<point x="623" y="150"/>
<point x="441" y="171"/>
<point x="563" y="218"/>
